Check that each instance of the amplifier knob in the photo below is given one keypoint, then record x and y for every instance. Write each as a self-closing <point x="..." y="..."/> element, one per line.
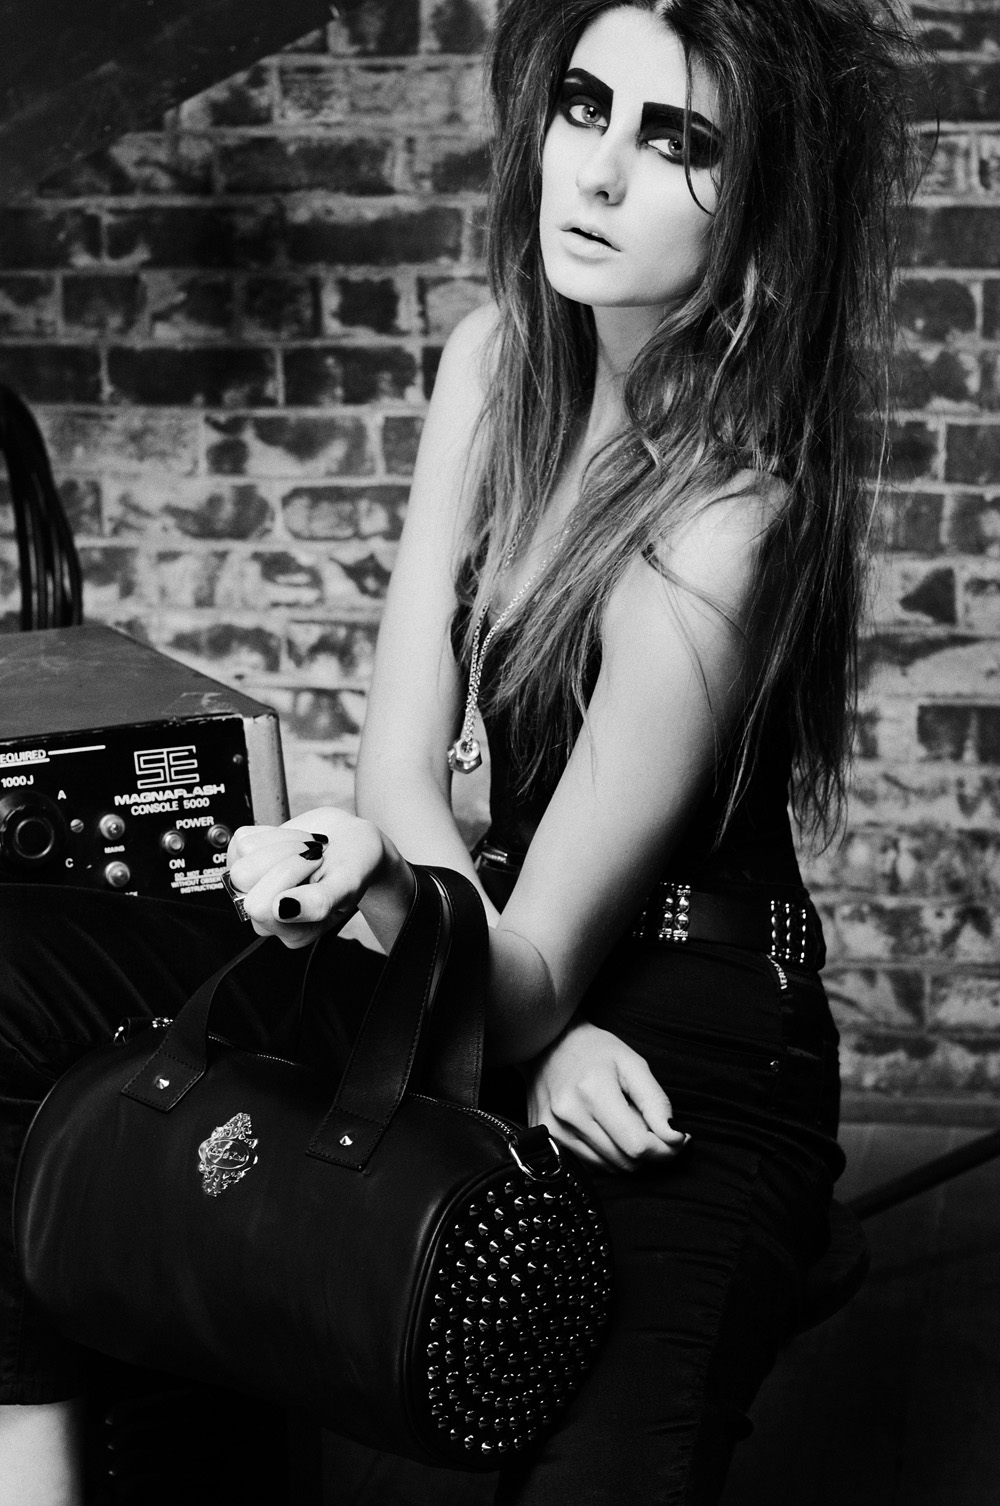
<point x="117" y="875"/>
<point x="111" y="828"/>
<point x="32" y="830"/>
<point x="172" y="841"/>
<point x="219" y="836"/>
<point x="32" y="838"/>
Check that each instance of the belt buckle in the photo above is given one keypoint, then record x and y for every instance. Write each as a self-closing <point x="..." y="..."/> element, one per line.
<point x="674" y="919"/>
<point x="789" y="936"/>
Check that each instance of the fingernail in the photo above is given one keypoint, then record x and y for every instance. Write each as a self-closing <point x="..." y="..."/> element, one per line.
<point x="319" y="836"/>
<point x="288" y="909"/>
<point x="313" y="851"/>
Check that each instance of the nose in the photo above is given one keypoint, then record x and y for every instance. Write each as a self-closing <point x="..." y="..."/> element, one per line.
<point x="602" y="174"/>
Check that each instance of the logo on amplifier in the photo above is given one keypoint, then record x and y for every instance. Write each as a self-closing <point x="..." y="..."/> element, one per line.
<point x="155" y="767"/>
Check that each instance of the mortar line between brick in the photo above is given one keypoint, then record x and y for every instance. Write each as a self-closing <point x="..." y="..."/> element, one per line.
<point x="246" y="199"/>
<point x="981" y="417"/>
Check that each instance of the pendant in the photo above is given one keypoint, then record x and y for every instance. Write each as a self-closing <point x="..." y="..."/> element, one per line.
<point x="464" y="755"/>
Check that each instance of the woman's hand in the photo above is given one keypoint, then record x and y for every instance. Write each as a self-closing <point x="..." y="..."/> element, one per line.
<point x="598" y="1098"/>
<point x="307" y="876"/>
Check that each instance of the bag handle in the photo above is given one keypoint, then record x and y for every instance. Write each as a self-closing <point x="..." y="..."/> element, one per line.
<point x="394" y="1035"/>
<point x="439" y="960"/>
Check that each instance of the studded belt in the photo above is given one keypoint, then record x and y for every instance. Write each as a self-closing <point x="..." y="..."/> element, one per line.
<point x="785" y="930"/>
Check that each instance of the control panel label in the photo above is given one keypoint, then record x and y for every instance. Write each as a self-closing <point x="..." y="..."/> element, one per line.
<point x="11" y="757"/>
<point x="192" y="797"/>
<point x="148" y="810"/>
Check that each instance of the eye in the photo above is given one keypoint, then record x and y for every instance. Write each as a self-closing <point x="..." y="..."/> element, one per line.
<point x="669" y="147"/>
<point x="583" y="106"/>
<point x="585" y="112"/>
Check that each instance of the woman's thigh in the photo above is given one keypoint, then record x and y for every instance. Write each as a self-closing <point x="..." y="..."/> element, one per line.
<point x="708" y="1284"/>
<point x="712" y="1249"/>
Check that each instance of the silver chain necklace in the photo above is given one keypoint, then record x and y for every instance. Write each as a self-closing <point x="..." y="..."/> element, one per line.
<point x="465" y="753"/>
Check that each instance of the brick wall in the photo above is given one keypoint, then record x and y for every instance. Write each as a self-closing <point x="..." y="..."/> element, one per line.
<point x="229" y="327"/>
<point x="911" y="899"/>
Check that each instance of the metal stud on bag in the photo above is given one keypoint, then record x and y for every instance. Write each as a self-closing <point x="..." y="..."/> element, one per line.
<point x="514" y="1316"/>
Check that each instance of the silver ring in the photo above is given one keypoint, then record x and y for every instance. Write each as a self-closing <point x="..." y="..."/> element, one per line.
<point x="234" y="895"/>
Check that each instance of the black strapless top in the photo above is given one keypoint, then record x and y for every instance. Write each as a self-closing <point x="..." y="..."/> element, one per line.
<point x="756" y="851"/>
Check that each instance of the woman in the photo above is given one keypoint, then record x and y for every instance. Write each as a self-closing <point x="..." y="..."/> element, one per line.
<point x="640" y="476"/>
<point x="634" y="541"/>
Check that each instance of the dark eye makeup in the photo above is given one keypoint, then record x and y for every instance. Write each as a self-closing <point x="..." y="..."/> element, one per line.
<point x="665" y="123"/>
<point x="586" y="101"/>
<point x="582" y="93"/>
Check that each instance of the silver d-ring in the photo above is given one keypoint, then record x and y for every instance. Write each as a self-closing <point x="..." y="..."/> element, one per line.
<point x="234" y="894"/>
<point x="535" y="1173"/>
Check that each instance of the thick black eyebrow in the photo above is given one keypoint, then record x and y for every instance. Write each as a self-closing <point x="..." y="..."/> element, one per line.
<point x="671" y="117"/>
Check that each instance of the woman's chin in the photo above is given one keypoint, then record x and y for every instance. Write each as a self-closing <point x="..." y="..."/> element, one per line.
<point x="596" y="285"/>
<point x="586" y="285"/>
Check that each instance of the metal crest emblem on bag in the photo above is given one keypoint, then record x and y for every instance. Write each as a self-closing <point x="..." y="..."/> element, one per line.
<point x="227" y="1155"/>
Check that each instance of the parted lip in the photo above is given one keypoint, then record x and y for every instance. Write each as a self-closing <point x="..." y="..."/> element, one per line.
<point x="589" y="232"/>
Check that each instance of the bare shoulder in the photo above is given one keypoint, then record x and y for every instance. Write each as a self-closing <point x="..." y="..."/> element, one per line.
<point x="752" y="500"/>
<point x="450" y="442"/>
<point x="468" y="352"/>
<point x="712" y="558"/>
<point x="457" y="403"/>
<point x="738" y="516"/>
<point x="716" y="549"/>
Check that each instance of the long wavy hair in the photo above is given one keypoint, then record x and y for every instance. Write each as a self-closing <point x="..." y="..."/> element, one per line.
<point x="774" y="363"/>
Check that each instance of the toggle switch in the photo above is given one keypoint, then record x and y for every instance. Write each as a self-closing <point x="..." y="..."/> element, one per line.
<point x="117" y="875"/>
<point x="111" y="828"/>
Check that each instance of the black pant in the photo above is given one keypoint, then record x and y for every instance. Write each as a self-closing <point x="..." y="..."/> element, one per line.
<point x="711" y="1250"/>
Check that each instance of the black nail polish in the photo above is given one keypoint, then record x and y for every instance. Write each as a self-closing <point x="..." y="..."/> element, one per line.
<point x="318" y="836"/>
<point x="288" y="909"/>
<point x="313" y="851"/>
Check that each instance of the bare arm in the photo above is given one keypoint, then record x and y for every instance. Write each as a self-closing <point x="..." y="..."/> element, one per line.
<point x="672" y="678"/>
<point x="403" y="780"/>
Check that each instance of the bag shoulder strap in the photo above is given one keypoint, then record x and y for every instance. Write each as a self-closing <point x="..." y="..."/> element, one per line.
<point x="181" y="1058"/>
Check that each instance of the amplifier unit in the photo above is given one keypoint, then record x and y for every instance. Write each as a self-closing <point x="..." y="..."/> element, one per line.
<point x="123" y="769"/>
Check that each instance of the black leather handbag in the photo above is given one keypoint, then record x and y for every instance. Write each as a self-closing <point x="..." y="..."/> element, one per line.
<point x="420" y="1275"/>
